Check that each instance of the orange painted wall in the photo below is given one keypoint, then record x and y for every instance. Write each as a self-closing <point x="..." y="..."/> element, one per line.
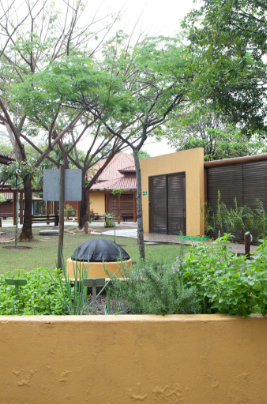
<point x="192" y="163"/>
<point x="190" y="359"/>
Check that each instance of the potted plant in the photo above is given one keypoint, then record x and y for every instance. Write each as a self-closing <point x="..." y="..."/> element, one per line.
<point x="109" y="220"/>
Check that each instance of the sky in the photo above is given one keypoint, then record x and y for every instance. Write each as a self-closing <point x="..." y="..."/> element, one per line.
<point x="156" y="17"/>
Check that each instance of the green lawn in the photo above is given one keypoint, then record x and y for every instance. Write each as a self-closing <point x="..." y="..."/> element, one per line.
<point x="44" y="252"/>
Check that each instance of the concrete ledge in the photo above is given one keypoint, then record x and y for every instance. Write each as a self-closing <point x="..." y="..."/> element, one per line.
<point x="193" y="359"/>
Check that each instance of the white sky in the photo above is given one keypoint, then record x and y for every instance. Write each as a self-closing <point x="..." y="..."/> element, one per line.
<point x="153" y="17"/>
<point x="157" y="17"/>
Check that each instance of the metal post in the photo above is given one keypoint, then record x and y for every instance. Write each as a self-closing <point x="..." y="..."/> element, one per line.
<point x="247" y="244"/>
<point x="61" y="215"/>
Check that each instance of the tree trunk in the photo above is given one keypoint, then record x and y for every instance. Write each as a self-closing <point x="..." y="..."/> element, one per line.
<point x="84" y="207"/>
<point x="140" y="229"/>
<point x="26" y="233"/>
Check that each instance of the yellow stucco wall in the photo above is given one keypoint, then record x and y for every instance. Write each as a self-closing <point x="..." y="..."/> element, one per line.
<point x="192" y="163"/>
<point x="201" y="359"/>
<point x="98" y="204"/>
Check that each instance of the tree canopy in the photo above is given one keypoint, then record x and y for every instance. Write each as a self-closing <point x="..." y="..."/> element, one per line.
<point x="200" y="126"/>
<point x="229" y="41"/>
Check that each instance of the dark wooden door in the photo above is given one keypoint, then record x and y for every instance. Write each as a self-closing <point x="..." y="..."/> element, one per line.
<point x="167" y="210"/>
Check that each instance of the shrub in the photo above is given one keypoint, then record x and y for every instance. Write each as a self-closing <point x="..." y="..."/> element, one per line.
<point x="154" y="288"/>
<point x="227" y="283"/>
<point x="40" y="296"/>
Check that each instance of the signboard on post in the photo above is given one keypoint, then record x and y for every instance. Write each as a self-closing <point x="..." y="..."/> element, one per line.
<point x="62" y="185"/>
<point x="72" y="185"/>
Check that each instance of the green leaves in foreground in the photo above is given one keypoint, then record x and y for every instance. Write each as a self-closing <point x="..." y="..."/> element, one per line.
<point x="154" y="288"/>
<point x="40" y="296"/>
<point x="227" y="283"/>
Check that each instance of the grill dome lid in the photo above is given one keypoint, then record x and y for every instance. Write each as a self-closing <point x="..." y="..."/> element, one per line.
<point x="99" y="250"/>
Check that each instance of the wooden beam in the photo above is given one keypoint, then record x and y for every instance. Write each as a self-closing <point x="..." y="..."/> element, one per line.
<point x="119" y="209"/>
<point x="21" y="207"/>
<point x="107" y="203"/>
<point x="14" y="207"/>
<point x="236" y="160"/>
<point x="56" y="207"/>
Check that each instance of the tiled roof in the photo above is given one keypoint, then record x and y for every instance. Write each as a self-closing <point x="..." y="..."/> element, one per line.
<point x="130" y="169"/>
<point x="127" y="183"/>
<point x="119" y="161"/>
<point x="112" y="176"/>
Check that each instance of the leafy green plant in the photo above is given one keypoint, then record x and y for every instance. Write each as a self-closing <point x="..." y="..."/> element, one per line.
<point x="233" y="219"/>
<point x="260" y="220"/>
<point x="93" y="214"/>
<point x="109" y="222"/>
<point x="227" y="283"/>
<point x="154" y="288"/>
<point x="2" y="198"/>
<point x="70" y="210"/>
<point x="75" y="297"/>
<point x="40" y="296"/>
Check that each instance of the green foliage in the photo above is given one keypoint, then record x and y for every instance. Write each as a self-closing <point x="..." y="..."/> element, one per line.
<point x="142" y="154"/>
<point x="236" y="220"/>
<point x="118" y="191"/>
<point x="227" y="283"/>
<point x="154" y="288"/>
<point x="93" y="214"/>
<point x="24" y="169"/>
<point x="40" y="296"/>
<point x="75" y="297"/>
<point x="198" y="125"/>
<point x="2" y="198"/>
<point x="109" y="222"/>
<point x="228" y="40"/>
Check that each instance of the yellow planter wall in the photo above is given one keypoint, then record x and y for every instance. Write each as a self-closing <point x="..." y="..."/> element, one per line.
<point x="98" y="202"/>
<point x="192" y="163"/>
<point x="201" y="359"/>
<point x="96" y="269"/>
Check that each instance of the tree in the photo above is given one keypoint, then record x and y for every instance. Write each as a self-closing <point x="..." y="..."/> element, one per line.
<point x="142" y="154"/>
<point x="229" y="41"/>
<point x="200" y="126"/>
<point x="130" y="91"/>
<point x="32" y="39"/>
<point x="145" y="84"/>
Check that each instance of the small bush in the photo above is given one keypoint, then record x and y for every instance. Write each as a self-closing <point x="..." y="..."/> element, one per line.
<point x="40" y="296"/>
<point x="155" y="288"/>
<point x="227" y="283"/>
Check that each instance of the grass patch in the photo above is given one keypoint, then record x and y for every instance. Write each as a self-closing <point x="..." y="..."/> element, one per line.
<point x="44" y="252"/>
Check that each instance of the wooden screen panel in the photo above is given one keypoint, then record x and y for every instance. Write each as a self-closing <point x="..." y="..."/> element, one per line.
<point x="227" y="180"/>
<point x="254" y="180"/>
<point x="176" y="204"/>
<point x="126" y="204"/>
<point x="246" y="182"/>
<point x="158" y="204"/>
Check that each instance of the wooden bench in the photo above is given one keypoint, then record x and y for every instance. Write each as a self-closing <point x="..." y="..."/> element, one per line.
<point x="47" y="219"/>
<point x="126" y="216"/>
<point x="6" y="215"/>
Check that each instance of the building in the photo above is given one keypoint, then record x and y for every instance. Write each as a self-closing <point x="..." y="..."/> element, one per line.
<point x="176" y="186"/>
<point x="120" y="173"/>
<point x="7" y="207"/>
